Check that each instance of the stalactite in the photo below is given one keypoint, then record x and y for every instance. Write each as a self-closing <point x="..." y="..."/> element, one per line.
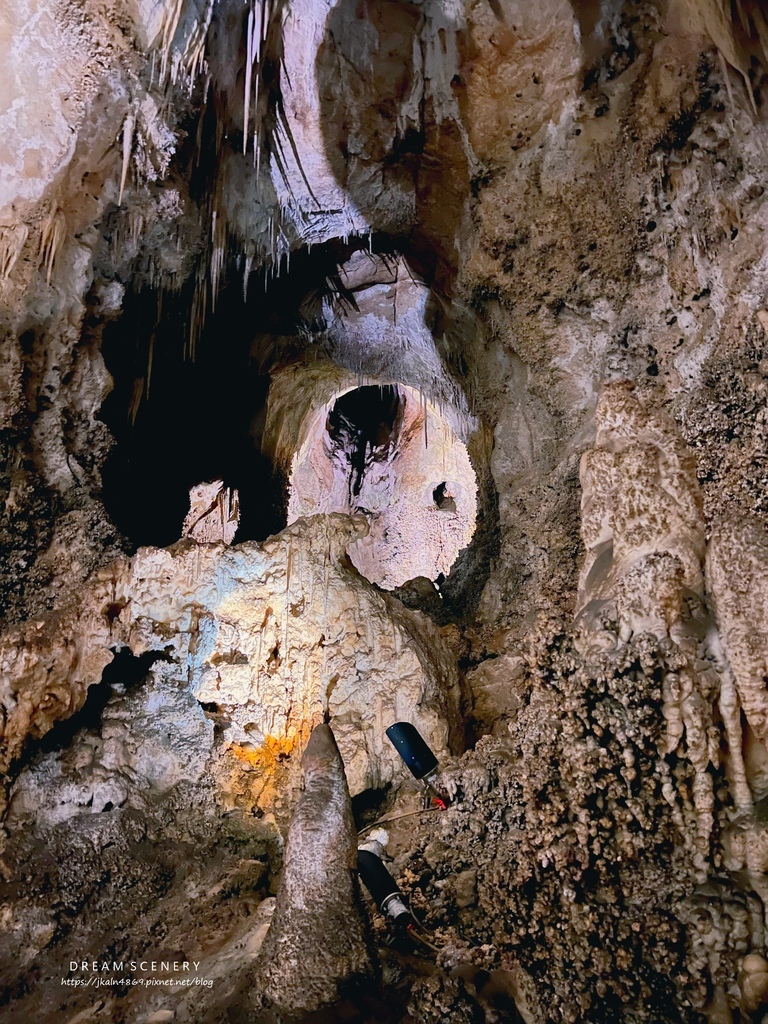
<point x="256" y="33"/>
<point x="171" y="18"/>
<point x="12" y="239"/>
<point x="150" y="355"/>
<point x="135" y="401"/>
<point x="198" y="310"/>
<point x="195" y="48"/>
<point x="247" y="265"/>
<point x="135" y="225"/>
<point x="737" y="31"/>
<point x="128" y="128"/>
<point x="218" y="253"/>
<point x="248" y="74"/>
<point x="52" y="234"/>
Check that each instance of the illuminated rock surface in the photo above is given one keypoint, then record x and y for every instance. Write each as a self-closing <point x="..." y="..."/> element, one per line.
<point x="257" y="244"/>
<point x="270" y="638"/>
<point x="416" y="484"/>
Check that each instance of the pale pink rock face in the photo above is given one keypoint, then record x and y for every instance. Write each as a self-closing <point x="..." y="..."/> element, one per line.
<point x="41" y="81"/>
<point x="418" y="489"/>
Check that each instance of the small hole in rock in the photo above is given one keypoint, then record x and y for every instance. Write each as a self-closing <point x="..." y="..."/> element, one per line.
<point x="370" y="805"/>
<point x="443" y="498"/>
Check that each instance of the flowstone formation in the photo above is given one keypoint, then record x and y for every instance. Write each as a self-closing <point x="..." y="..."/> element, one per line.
<point x="371" y="362"/>
<point x="267" y="638"/>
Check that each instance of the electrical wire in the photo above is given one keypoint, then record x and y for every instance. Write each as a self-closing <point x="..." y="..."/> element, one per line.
<point x="396" y="817"/>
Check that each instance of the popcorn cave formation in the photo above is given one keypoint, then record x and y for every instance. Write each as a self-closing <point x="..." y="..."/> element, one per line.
<point x="370" y="363"/>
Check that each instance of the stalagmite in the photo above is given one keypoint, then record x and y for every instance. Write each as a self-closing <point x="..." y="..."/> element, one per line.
<point x="316" y="947"/>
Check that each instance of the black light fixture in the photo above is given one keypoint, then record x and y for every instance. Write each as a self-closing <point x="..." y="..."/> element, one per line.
<point x="419" y="759"/>
<point x="382" y="887"/>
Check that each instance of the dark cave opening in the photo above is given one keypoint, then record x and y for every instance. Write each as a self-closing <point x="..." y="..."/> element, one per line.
<point x="126" y="670"/>
<point x="178" y="422"/>
<point x="364" y="425"/>
<point x="443" y="498"/>
<point x="370" y="805"/>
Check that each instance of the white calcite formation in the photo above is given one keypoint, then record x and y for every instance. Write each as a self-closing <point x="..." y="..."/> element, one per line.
<point x="148" y="741"/>
<point x="44" y="94"/>
<point x="275" y="635"/>
<point x="386" y="336"/>
<point x="643" y="527"/>
<point x="312" y="197"/>
<point x="214" y="513"/>
<point x="418" y="491"/>
<point x="320" y="33"/>
<point x="737" y="584"/>
<point x="418" y="486"/>
<point x="641" y="516"/>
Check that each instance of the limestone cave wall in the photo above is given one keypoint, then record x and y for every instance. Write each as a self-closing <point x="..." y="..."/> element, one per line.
<point x="366" y="362"/>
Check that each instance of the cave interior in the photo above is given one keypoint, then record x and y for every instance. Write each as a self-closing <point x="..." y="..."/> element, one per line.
<point x="366" y="364"/>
